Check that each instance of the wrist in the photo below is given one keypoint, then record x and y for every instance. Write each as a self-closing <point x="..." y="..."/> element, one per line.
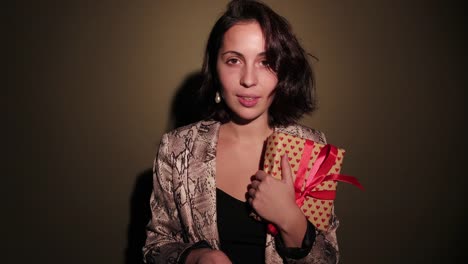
<point x="291" y="220"/>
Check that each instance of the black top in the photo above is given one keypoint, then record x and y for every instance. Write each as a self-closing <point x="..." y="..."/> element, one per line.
<point x="242" y="238"/>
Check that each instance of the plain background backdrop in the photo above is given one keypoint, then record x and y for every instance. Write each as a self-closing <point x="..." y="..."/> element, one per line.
<point x="91" y="87"/>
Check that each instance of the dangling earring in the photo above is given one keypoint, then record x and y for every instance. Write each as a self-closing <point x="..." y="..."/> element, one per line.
<point x="217" y="98"/>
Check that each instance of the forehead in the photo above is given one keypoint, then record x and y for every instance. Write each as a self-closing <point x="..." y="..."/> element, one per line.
<point x="247" y="36"/>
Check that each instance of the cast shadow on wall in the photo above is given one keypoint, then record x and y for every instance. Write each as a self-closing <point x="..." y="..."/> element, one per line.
<point x="185" y="109"/>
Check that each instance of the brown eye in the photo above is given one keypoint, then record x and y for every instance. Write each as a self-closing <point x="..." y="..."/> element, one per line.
<point x="233" y="61"/>
<point x="265" y="63"/>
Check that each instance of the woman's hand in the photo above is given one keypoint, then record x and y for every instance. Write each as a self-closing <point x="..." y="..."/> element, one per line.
<point x="207" y="256"/>
<point x="274" y="200"/>
<point x="271" y="198"/>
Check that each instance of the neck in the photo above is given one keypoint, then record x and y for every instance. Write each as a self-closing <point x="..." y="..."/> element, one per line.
<point x="255" y="130"/>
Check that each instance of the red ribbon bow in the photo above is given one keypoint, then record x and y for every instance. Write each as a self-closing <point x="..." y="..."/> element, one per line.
<point x="318" y="174"/>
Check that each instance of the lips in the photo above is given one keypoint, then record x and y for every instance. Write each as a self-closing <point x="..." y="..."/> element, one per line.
<point x="248" y="100"/>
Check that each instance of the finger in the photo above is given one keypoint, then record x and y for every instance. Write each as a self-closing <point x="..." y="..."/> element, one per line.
<point x="252" y="192"/>
<point x="286" y="170"/>
<point x="260" y="175"/>
<point x="254" y="184"/>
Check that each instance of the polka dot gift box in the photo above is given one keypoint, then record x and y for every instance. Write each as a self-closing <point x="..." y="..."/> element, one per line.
<point x="316" y="170"/>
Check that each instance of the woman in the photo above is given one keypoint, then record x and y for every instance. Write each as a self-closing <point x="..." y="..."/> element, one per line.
<point x="206" y="175"/>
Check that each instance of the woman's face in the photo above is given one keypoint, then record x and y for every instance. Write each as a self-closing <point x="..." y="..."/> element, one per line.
<point x="247" y="81"/>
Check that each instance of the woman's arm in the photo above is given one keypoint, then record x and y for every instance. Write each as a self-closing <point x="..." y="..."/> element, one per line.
<point x="324" y="247"/>
<point x="165" y="241"/>
<point x="319" y="247"/>
<point x="298" y="241"/>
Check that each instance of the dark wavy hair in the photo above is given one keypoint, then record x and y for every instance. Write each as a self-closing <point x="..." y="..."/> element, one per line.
<point x="295" y="91"/>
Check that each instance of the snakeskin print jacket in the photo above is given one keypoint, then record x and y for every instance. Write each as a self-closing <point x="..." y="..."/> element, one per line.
<point x="183" y="202"/>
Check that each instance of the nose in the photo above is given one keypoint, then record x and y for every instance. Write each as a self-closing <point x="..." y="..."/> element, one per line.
<point x="249" y="76"/>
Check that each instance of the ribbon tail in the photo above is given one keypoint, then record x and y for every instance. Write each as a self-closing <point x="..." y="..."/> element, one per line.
<point x="323" y="195"/>
<point x="344" y="178"/>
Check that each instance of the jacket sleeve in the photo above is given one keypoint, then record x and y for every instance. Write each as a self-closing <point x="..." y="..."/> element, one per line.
<point x="325" y="247"/>
<point x="165" y="242"/>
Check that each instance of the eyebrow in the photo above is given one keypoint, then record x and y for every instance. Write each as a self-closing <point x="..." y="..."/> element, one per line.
<point x="240" y="54"/>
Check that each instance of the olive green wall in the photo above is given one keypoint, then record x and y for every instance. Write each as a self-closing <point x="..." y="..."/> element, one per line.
<point x="91" y="87"/>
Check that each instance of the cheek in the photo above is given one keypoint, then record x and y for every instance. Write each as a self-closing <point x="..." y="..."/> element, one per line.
<point x="270" y="82"/>
<point x="271" y="89"/>
<point x="227" y="77"/>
